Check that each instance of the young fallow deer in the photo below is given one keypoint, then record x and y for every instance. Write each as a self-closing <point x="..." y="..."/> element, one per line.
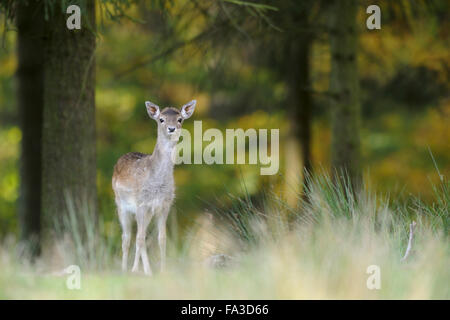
<point x="144" y="186"/>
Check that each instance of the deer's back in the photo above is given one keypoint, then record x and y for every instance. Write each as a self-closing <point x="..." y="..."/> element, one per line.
<point x="128" y="170"/>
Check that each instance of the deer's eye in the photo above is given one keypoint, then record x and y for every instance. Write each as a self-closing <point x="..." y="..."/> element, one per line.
<point x="179" y="120"/>
<point x="161" y="120"/>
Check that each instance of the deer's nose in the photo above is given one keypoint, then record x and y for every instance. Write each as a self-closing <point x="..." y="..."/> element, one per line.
<point x="171" y="129"/>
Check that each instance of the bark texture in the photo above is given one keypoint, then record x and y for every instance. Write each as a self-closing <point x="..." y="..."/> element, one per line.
<point x="69" y="161"/>
<point x="344" y="90"/>
<point x="302" y="99"/>
<point x="30" y="95"/>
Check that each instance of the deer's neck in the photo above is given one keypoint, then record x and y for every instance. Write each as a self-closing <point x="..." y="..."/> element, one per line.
<point x="162" y="155"/>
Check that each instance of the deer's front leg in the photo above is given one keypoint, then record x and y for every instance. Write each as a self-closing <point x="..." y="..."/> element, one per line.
<point x="162" y="236"/>
<point x="143" y="217"/>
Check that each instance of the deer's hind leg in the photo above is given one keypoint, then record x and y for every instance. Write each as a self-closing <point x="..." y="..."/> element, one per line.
<point x="143" y="218"/>
<point x="125" y="222"/>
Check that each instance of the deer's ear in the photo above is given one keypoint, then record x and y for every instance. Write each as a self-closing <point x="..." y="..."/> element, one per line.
<point x="152" y="110"/>
<point x="188" y="109"/>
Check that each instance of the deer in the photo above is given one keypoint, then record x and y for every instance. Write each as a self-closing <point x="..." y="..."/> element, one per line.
<point x="144" y="185"/>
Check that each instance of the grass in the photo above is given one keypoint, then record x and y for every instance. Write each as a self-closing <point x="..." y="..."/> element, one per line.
<point x="320" y="249"/>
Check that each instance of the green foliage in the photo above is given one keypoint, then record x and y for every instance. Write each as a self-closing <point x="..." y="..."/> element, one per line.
<point x="171" y="64"/>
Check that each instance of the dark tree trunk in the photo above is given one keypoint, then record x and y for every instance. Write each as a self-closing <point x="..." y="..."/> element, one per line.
<point x="69" y="161"/>
<point x="303" y="91"/>
<point x="344" y="89"/>
<point x="30" y="76"/>
<point x="300" y="98"/>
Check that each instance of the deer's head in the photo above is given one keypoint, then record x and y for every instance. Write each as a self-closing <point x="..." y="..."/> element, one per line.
<point x="170" y="120"/>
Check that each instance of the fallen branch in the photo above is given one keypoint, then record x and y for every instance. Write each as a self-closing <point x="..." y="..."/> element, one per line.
<point x="411" y="234"/>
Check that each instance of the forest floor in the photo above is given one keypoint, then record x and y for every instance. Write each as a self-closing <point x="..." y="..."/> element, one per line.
<point x="338" y="247"/>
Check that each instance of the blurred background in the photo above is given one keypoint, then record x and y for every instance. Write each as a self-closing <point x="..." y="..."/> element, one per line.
<point x="265" y="64"/>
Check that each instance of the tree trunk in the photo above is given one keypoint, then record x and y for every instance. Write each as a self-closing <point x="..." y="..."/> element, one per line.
<point x="69" y="162"/>
<point x="303" y="91"/>
<point x="344" y="89"/>
<point x="30" y="96"/>
<point x="300" y="99"/>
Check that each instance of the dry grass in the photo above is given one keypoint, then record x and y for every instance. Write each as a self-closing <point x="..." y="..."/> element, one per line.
<point x="323" y="254"/>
